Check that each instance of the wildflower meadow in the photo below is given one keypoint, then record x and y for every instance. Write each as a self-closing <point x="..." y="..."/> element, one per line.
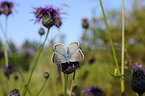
<point x="72" y="48"/>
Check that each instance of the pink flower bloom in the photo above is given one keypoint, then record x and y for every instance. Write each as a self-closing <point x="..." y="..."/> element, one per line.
<point x="6" y="7"/>
<point x="49" y="16"/>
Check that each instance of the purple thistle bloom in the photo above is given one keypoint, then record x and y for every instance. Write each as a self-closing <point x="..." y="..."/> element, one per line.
<point x="8" y="70"/>
<point x="93" y="91"/>
<point x="68" y="67"/>
<point x="6" y="7"/>
<point x="138" y="79"/>
<point x="49" y="16"/>
<point x="136" y="66"/>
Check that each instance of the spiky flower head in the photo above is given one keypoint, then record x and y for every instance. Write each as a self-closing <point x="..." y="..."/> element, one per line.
<point x="67" y="58"/>
<point x="41" y="31"/>
<point x="46" y="75"/>
<point x="138" y="79"/>
<point x="85" y="23"/>
<point x="93" y="91"/>
<point x="7" y="7"/>
<point x="68" y="67"/>
<point x="49" y="16"/>
<point x="14" y="92"/>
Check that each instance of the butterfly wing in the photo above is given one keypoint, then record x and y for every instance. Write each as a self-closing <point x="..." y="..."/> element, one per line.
<point x="77" y="56"/>
<point x="58" y="58"/>
<point x="61" y="49"/>
<point x="72" y="47"/>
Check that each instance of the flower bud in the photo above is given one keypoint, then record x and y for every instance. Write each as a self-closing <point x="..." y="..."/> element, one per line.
<point x="85" y="23"/>
<point x="46" y="75"/>
<point x="41" y="31"/>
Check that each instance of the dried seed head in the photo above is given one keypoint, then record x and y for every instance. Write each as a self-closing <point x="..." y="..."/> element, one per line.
<point x="46" y="75"/>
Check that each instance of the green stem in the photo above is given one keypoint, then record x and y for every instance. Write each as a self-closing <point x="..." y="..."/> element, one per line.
<point x="72" y="83"/>
<point x="19" y="71"/>
<point x="42" y="87"/>
<point x="122" y="59"/>
<point x="65" y="84"/>
<point x="36" y="63"/>
<point x="5" y="51"/>
<point x="114" y="54"/>
<point x="2" y="29"/>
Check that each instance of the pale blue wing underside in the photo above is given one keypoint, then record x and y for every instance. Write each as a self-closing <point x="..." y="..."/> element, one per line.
<point x="58" y="58"/>
<point x="77" y="56"/>
<point x="72" y="47"/>
<point x="61" y="49"/>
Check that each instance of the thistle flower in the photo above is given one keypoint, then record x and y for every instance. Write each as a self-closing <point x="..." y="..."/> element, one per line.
<point x="85" y="23"/>
<point x="93" y="91"/>
<point x="14" y="92"/>
<point x="67" y="58"/>
<point x="138" y="79"/>
<point x="68" y="67"/>
<point x="8" y="70"/>
<point x="49" y="16"/>
<point x="7" y="7"/>
<point x="41" y="31"/>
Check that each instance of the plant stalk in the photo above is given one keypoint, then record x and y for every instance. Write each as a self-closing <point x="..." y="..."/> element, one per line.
<point x="122" y="58"/>
<point x="36" y="63"/>
<point x="42" y="87"/>
<point x="65" y="84"/>
<point x="72" y="83"/>
<point x="59" y="35"/>
<point x="114" y="54"/>
<point x="5" y="51"/>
